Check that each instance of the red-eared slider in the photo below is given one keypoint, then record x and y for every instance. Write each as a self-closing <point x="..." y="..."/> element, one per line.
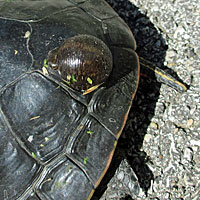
<point x="68" y="74"/>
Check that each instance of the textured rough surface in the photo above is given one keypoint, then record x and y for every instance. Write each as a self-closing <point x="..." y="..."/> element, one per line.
<point x="161" y="140"/>
<point x="123" y="183"/>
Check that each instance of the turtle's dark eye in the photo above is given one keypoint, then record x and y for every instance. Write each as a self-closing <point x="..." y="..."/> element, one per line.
<point x="52" y="59"/>
<point x="84" y="62"/>
<point x="53" y="66"/>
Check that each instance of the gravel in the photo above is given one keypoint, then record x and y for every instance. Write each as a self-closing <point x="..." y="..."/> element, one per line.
<point x="158" y="156"/>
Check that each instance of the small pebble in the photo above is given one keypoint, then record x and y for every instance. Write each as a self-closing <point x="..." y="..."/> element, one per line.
<point x="154" y="125"/>
<point x="190" y="122"/>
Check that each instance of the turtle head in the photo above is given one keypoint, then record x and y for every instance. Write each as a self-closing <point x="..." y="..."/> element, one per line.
<point x="84" y="62"/>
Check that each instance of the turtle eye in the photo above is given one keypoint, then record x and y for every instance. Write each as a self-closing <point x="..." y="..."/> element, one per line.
<point x="53" y="66"/>
<point x="52" y="59"/>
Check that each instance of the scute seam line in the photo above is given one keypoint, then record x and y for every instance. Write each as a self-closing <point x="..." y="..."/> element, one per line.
<point x="59" y="84"/>
<point x="77" y="164"/>
<point x="92" y="114"/>
<point x="37" y="20"/>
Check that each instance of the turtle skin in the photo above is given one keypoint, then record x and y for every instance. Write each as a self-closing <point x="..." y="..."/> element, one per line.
<point x="56" y="143"/>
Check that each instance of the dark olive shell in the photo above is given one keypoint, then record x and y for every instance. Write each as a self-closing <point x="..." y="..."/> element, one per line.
<point x="83" y="62"/>
<point x="55" y="142"/>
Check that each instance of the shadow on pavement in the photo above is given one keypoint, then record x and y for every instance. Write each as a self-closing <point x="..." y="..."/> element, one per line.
<point x="152" y="47"/>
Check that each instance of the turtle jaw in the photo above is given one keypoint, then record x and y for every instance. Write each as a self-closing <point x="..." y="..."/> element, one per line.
<point x="91" y="89"/>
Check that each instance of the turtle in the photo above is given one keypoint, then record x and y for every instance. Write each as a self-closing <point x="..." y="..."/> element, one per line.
<point x="68" y="75"/>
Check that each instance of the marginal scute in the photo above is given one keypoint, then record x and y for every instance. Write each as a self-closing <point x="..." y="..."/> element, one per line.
<point x="113" y="117"/>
